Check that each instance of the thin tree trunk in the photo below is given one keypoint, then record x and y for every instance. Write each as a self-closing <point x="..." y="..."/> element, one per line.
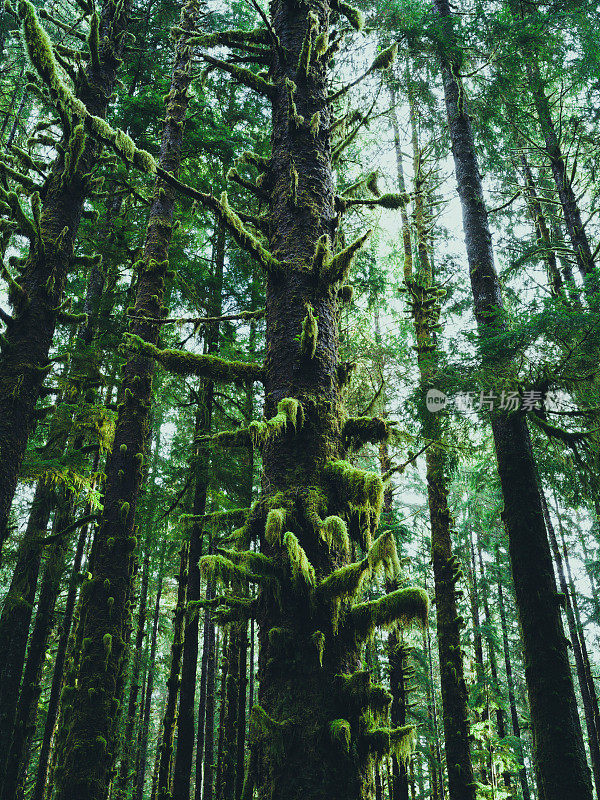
<point x="209" y="716"/>
<point x="25" y="720"/>
<point x="145" y="730"/>
<point x="125" y="770"/>
<point x="182" y="769"/>
<point x="165" y="744"/>
<point x="516" y="727"/>
<point x="558" y="739"/>
<point x="58" y="672"/>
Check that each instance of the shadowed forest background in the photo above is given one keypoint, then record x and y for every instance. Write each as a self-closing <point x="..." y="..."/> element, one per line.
<point x="243" y="249"/>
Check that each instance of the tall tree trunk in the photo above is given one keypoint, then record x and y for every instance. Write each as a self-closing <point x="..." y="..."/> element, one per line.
<point x="25" y="720"/>
<point x="87" y="757"/>
<point x="584" y="685"/>
<point x="446" y="570"/>
<point x="558" y="741"/>
<point x="165" y="742"/>
<point x="58" y="672"/>
<point x="500" y="716"/>
<point x="516" y="727"/>
<point x="182" y="769"/>
<point x="145" y="728"/>
<point x="24" y="361"/>
<point x="125" y="768"/>
<point x="209" y="714"/>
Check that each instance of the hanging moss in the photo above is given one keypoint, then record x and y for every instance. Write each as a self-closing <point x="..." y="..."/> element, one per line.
<point x="360" y="489"/>
<point x="357" y="431"/>
<point x="340" y="733"/>
<point x="303" y="572"/>
<point x="322" y="255"/>
<point x="310" y="333"/>
<point x="318" y="639"/>
<point x="355" y="17"/>
<point x="383" y="553"/>
<point x="334" y="532"/>
<point x="386" y="58"/>
<point x="379" y="742"/>
<point x="274" y="526"/>
<point x="183" y="363"/>
<point x="263" y="728"/>
<point x="289" y="412"/>
<point x="337" y="269"/>
<point x="401" y="607"/>
<point x="360" y="695"/>
<point x="307" y="46"/>
<point x="223" y="570"/>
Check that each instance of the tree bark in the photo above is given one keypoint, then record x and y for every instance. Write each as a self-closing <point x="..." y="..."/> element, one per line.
<point x="88" y="755"/>
<point x="554" y="714"/>
<point x="24" y="360"/>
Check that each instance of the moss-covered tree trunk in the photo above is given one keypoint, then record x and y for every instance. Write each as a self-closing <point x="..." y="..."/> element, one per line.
<point x="558" y="740"/>
<point x="26" y="715"/>
<point x="24" y="360"/>
<point x="92" y="704"/>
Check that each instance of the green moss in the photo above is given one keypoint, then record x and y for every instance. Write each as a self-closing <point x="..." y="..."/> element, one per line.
<point x="183" y="363"/>
<point x="360" y="489"/>
<point x="355" y="17"/>
<point x="322" y="256"/>
<point x="401" y="607"/>
<point x="318" y="639"/>
<point x="274" y="525"/>
<point x="334" y="532"/>
<point x="339" y="266"/>
<point x="242" y="75"/>
<point x="379" y="742"/>
<point x="310" y="333"/>
<point x="321" y="44"/>
<point x="383" y="553"/>
<point x="386" y="58"/>
<point x="289" y="413"/>
<point x="307" y="46"/>
<point x="303" y="572"/>
<point x="357" y="431"/>
<point x="340" y="733"/>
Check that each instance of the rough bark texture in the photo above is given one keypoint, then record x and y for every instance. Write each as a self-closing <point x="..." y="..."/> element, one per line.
<point x="24" y="360"/>
<point x="87" y="755"/>
<point x="558" y="741"/>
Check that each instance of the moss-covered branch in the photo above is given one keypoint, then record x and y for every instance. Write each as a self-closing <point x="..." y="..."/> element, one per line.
<point x="289" y="414"/>
<point x="181" y="362"/>
<point x="336" y="269"/>
<point x="310" y="333"/>
<point x="232" y="38"/>
<point x="379" y="742"/>
<point x="358" y="431"/>
<point x="303" y="572"/>
<point x="401" y="607"/>
<point x="360" y="489"/>
<point x="355" y="17"/>
<point x="243" y="76"/>
<point x="390" y="200"/>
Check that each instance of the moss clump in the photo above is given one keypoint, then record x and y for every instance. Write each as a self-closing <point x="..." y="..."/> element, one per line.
<point x="360" y="695"/>
<point x="357" y="431"/>
<point x="379" y="742"/>
<point x="303" y="572"/>
<point x="355" y="17"/>
<point x="337" y="269"/>
<point x="318" y="639"/>
<point x="386" y="58"/>
<point x="361" y="490"/>
<point x="289" y="412"/>
<point x="310" y="333"/>
<point x="401" y="608"/>
<point x="182" y="363"/>
<point x="222" y="569"/>
<point x="383" y="553"/>
<point x="334" y="532"/>
<point x="340" y="733"/>
<point x="274" y="526"/>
